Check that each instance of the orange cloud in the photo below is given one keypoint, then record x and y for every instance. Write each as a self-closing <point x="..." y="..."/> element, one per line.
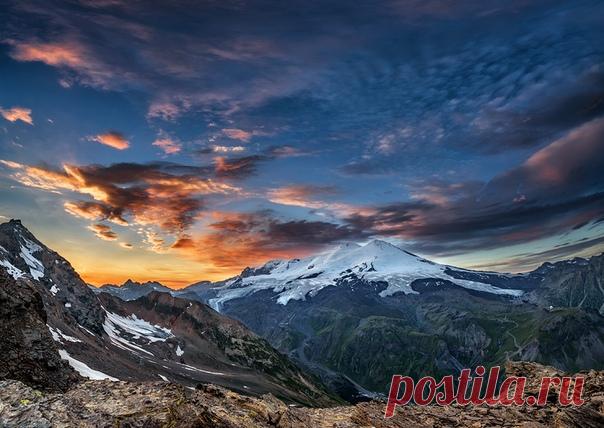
<point x="169" y="146"/>
<point x="164" y="196"/>
<point x="103" y="232"/>
<point x="55" y="54"/>
<point x="112" y="139"/>
<point x="17" y="113"/>
<point x="126" y="245"/>
<point x="67" y="54"/>
<point x="238" y="168"/>
<point x="237" y="240"/>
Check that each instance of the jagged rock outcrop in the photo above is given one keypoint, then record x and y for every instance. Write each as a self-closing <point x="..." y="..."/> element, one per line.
<point x="27" y="351"/>
<point x="156" y="404"/>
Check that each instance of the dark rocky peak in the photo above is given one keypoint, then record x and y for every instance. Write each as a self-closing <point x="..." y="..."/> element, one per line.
<point x="64" y="293"/>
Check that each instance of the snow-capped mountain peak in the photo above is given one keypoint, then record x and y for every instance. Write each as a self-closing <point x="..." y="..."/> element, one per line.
<point x="376" y="262"/>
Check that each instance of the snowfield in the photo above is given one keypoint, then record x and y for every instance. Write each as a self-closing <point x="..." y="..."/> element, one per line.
<point x="377" y="261"/>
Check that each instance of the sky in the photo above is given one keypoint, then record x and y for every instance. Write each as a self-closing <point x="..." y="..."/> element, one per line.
<point x="181" y="141"/>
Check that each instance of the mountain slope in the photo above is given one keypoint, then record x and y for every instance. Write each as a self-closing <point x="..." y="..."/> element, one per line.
<point x="197" y="336"/>
<point x="102" y="340"/>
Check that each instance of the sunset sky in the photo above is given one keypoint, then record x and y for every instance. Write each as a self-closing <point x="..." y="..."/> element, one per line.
<point x="184" y="140"/>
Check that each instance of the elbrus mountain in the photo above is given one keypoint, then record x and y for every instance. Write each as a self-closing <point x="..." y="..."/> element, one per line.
<point x="356" y="315"/>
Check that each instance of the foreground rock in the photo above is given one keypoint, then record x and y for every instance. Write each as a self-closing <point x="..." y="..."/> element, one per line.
<point x="156" y="404"/>
<point x="27" y="351"/>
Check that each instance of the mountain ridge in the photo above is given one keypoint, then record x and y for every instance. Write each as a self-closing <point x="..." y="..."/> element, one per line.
<point x="100" y="341"/>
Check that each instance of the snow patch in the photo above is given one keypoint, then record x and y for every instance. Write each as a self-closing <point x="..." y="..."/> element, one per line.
<point x="195" y="369"/>
<point x="120" y="342"/>
<point x="165" y="379"/>
<point x="140" y="328"/>
<point x="179" y="351"/>
<point x="86" y="330"/>
<point x="133" y="328"/>
<point x="13" y="271"/>
<point x="54" y="290"/>
<point x="36" y="268"/>
<point x="68" y="305"/>
<point x="84" y="369"/>
<point x="57" y="335"/>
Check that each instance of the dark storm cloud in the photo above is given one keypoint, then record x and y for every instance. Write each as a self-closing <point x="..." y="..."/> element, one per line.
<point x="240" y="239"/>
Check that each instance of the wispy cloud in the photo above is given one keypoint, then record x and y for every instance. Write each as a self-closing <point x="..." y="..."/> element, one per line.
<point x="168" y="145"/>
<point x="238" y="134"/>
<point x="17" y="113"/>
<point x="104" y="232"/>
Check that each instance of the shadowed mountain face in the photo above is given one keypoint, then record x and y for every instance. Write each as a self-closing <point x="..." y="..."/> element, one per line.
<point x="27" y="351"/>
<point x="158" y="337"/>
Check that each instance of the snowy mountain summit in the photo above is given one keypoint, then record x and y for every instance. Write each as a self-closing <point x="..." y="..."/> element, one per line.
<point x="375" y="262"/>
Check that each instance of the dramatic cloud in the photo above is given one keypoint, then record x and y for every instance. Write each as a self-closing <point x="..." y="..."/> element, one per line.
<point x="552" y="192"/>
<point x="167" y="196"/>
<point x="237" y="240"/>
<point x="112" y="139"/>
<point x="17" y="113"/>
<point x="431" y="123"/>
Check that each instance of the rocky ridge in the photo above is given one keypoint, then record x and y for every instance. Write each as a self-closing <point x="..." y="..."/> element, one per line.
<point x="155" y="404"/>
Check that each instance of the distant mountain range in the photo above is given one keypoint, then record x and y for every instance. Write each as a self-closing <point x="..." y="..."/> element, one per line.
<point x="352" y="316"/>
<point x="356" y="315"/>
